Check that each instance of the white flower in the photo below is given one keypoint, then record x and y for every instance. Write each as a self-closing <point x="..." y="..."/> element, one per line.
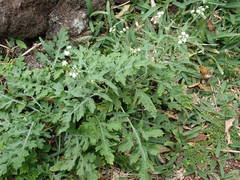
<point x="74" y="67"/>
<point x="192" y="11"/>
<point x="66" y="53"/>
<point x="69" y="47"/>
<point x="160" y="13"/>
<point x="64" y="63"/>
<point x="73" y="74"/>
<point x="136" y="24"/>
<point x="199" y="11"/>
<point x="183" y="33"/>
<point x="135" y="50"/>
<point x="112" y="29"/>
<point x="183" y="37"/>
<point x="180" y="41"/>
<point x="155" y="18"/>
<point x="124" y="30"/>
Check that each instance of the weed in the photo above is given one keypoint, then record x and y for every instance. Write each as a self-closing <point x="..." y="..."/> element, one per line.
<point x="149" y="94"/>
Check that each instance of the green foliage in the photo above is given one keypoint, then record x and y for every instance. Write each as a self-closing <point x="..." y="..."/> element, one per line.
<point x="79" y="124"/>
<point x="125" y="101"/>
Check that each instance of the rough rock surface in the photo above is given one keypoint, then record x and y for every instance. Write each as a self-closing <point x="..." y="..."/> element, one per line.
<point x="31" y="18"/>
<point x="24" y="18"/>
<point x="71" y="15"/>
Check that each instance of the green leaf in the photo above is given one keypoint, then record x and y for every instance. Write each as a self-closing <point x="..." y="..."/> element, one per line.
<point x="146" y="101"/>
<point x="149" y="13"/>
<point x="152" y="133"/>
<point x="112" y="86"/>
<point x="66" y="119"/>
<point x="126" y="145"/>
<point x="79" y="111"/>
<point x="91" y="105"/>
<point x="104" y="146"/>
<point x="3" y="169"/>
<point x="63" y="165"/>
<point x="104" y="96"/>
<point x="21" y="44"/>
<point x="58" y="88"/>
<point x="114" y="126"/>
<point x="234" y="4"/>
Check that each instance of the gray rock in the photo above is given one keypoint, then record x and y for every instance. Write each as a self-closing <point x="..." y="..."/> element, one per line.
<point x="31" y="18"/>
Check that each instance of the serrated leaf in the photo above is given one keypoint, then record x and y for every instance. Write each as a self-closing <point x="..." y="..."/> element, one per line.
<point x="91" y="105"/>
<point x="152" y="133"/>
<point x="63" y="165"/>
<point x="58" y="88"/>
<point x="17" y="162"/>
<point x="66" y="119"/>
<point x="126" y="145"/>
<point x="104" y="146"/>
<point x="104" y="96"/>
<point x="112" y="86"/>
<point x="114" y="125"/>
<point x="135" y="157"/>
<point x="147" y="103"/>
<point x="3" y="169"/>
<point x="79" y="111"/>
<point x="160" y="90"/>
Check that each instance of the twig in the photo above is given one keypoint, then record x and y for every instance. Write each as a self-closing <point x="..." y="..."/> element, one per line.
<point x="227" y="150"/>
<point x="123" y="4"/>
<point x="230" y="151"/>
<point x="3" y="46"/>
<point x="32" y="48"/>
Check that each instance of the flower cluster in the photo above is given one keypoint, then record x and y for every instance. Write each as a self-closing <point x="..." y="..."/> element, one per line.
<point x="112" y="29"/>
<point x="64" y="63"/>
<point x="74" y="73"/>
<point x="183" y="37"/>
<point x="124" y="30"/>
<point x="135" y="50"/>
<point x="67" y="52"/>
<point x="155" y="18"/>
<point x="199" y="11"/>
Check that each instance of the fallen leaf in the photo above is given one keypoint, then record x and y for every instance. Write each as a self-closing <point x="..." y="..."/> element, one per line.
<point x="122" y="12"/>
<point x="215" y="176"/>
<point x="163" y="149"/>
<point x="228" y="125"/>
<point x="205" y="72"/>
<point x="179" y="174"/>
<point x="171" y="115"/>
<point x="210" y="26"/>
<point x="193" y="85"/>
<point x="200" y="137"/>
<point x="204" y="87"/>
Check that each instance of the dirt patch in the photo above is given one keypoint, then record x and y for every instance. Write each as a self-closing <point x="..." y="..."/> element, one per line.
<point x="232" y="164"/>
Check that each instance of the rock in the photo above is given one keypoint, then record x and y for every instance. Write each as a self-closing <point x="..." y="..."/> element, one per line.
<point x="31" y="18"/>
<point x="68" y="14"/>
<point x="24" y="18"/>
